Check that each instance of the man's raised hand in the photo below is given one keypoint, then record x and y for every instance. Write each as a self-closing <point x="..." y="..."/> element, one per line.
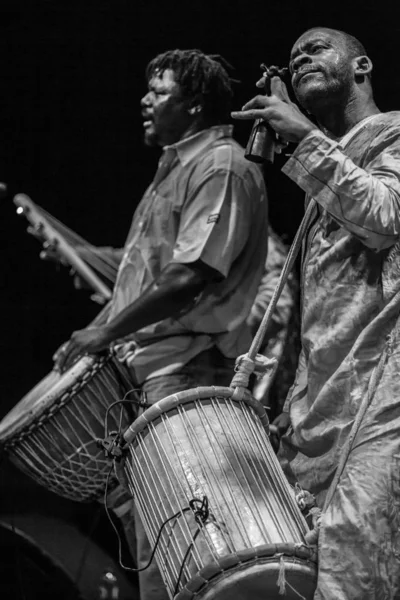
<point x="279" y="112"/>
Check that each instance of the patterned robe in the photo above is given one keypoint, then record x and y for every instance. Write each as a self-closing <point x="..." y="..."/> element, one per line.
<point x="350" y="314"/>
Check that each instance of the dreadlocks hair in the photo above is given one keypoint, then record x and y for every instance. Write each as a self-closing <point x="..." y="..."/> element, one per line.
<point x="202" y="78"/>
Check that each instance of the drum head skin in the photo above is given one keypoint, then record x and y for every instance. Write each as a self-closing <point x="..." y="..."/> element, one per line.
<point x="35" y="402"/>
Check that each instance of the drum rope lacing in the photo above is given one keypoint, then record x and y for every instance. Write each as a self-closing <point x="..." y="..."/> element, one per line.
<point x="67" y="396"/>
<point x="59" y="402"/>
<point x="200" y="507"/>
<point x="201" y="512"/>
<point x="77" y="404"/>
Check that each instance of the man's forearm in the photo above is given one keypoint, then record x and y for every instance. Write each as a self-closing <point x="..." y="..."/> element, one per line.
<point x="173" y="292"/>
<point x="366" y="203"/>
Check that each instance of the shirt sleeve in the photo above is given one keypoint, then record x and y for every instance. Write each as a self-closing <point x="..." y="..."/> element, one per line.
<point x="216" y="219"/>
<point x="366" y="202"/>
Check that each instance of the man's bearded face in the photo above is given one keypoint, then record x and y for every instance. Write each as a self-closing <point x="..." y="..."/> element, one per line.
<point x="321" y="68"/>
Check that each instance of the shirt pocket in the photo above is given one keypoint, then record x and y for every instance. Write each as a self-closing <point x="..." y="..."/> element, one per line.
<point x="159" y="223"/>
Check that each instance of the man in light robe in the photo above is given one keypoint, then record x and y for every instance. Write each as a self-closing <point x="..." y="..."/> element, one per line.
<point x="348" y="162"/>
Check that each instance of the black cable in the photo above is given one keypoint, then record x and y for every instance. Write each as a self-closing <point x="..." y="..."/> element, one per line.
<point x="200" y="513"/>
<point x="184" y="560"/>
<point x="139" y="403"/>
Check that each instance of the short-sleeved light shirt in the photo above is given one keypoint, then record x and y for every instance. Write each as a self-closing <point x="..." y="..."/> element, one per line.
<point x="211" y="205"/>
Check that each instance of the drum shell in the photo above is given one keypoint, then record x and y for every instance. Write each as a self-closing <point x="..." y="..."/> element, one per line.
<point x="54" y="439"/>
<point x="204" y="444"/>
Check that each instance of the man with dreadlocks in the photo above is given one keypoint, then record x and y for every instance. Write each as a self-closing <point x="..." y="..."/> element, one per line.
<point x="195" y="252"/>
<point x="343" y="443"/>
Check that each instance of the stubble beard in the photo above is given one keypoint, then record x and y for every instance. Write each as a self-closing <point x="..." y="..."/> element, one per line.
<point x="324" y="96"/>
<point x="150" y="139"/>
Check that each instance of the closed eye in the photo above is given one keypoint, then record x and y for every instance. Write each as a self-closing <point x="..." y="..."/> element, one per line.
<point x="317" y="47"/>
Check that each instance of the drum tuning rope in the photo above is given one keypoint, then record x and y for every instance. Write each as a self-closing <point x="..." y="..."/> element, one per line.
<point x="252" y="362"/>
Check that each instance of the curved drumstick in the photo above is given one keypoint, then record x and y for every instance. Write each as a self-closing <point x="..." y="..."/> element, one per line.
<point x="32" y="212"/>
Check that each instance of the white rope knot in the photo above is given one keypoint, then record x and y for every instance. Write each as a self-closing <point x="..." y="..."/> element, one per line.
<point x="305" y="500"/>
<point x="244" y="368"/>
<point x="311" y="537"/>
<point x="281" y="583"/>
<point x="264" y="365"/>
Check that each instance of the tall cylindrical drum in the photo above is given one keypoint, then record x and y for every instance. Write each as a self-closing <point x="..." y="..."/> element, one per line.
<point x="204" y="476"/>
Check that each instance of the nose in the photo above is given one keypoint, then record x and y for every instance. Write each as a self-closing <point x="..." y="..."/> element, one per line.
<point x="301" y="59"/>
<point x="146" y="100"/>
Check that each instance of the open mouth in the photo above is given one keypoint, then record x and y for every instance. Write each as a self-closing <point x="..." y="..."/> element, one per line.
<point x="147" y="123"/>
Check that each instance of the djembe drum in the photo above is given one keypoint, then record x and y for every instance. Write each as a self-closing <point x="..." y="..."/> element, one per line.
<point x="52" y="433"/>
<point x="213" y="498"/>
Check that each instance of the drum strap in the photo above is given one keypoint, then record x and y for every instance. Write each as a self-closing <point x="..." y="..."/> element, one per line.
<point x="251" y="362"/>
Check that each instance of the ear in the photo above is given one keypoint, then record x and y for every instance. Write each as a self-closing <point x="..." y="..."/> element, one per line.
<point x="362" y="66"/>
<point x="193" y="110"/>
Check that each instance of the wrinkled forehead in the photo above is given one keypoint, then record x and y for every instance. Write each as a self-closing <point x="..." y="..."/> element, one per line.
<point x="314" y="35"/>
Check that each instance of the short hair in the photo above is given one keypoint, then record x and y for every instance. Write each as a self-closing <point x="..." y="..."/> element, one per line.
<point x="202" y="78"/>
<point x="353" y="45"/>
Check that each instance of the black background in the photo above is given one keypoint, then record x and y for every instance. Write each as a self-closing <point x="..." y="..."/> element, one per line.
<point x="71" y="135"/>
<point x="72" y="75"/>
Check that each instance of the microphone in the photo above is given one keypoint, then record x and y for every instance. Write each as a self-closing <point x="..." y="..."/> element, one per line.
<point x="261" y="144"/>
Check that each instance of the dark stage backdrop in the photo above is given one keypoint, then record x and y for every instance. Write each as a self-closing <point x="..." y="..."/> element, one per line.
<point x="72" y="75"/>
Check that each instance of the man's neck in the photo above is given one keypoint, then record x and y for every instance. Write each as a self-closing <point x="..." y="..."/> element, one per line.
<point x="335" y="121"/>
<point x="194" y="127"/>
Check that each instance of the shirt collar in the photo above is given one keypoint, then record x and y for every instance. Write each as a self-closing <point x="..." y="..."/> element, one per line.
<point x="188" y="148"/>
